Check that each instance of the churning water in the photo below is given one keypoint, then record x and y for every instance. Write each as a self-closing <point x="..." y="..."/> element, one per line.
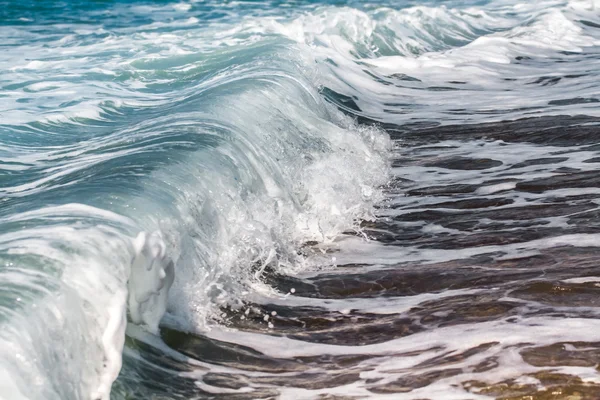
<point x="299" y="200"/>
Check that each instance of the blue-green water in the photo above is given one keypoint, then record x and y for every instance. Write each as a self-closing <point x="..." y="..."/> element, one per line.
<point x="158" y="160"/>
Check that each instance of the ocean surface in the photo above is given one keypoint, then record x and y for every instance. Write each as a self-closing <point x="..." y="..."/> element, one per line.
<point x="299" y="200"/>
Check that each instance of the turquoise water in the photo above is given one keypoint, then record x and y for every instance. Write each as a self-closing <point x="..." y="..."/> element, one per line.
<point x="159" y="160"/>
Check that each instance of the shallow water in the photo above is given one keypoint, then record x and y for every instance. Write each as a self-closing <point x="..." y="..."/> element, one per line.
<point x="310" y="200"/>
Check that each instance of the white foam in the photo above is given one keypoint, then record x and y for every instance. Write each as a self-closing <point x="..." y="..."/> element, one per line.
<point x="585" y="279"/>
<point x="57" y="321"/>
<point x="347" y="306"/>
<point x="151" y="277"/>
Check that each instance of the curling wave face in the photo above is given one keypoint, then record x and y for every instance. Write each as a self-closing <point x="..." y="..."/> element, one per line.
<point x="144" y="170"/>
